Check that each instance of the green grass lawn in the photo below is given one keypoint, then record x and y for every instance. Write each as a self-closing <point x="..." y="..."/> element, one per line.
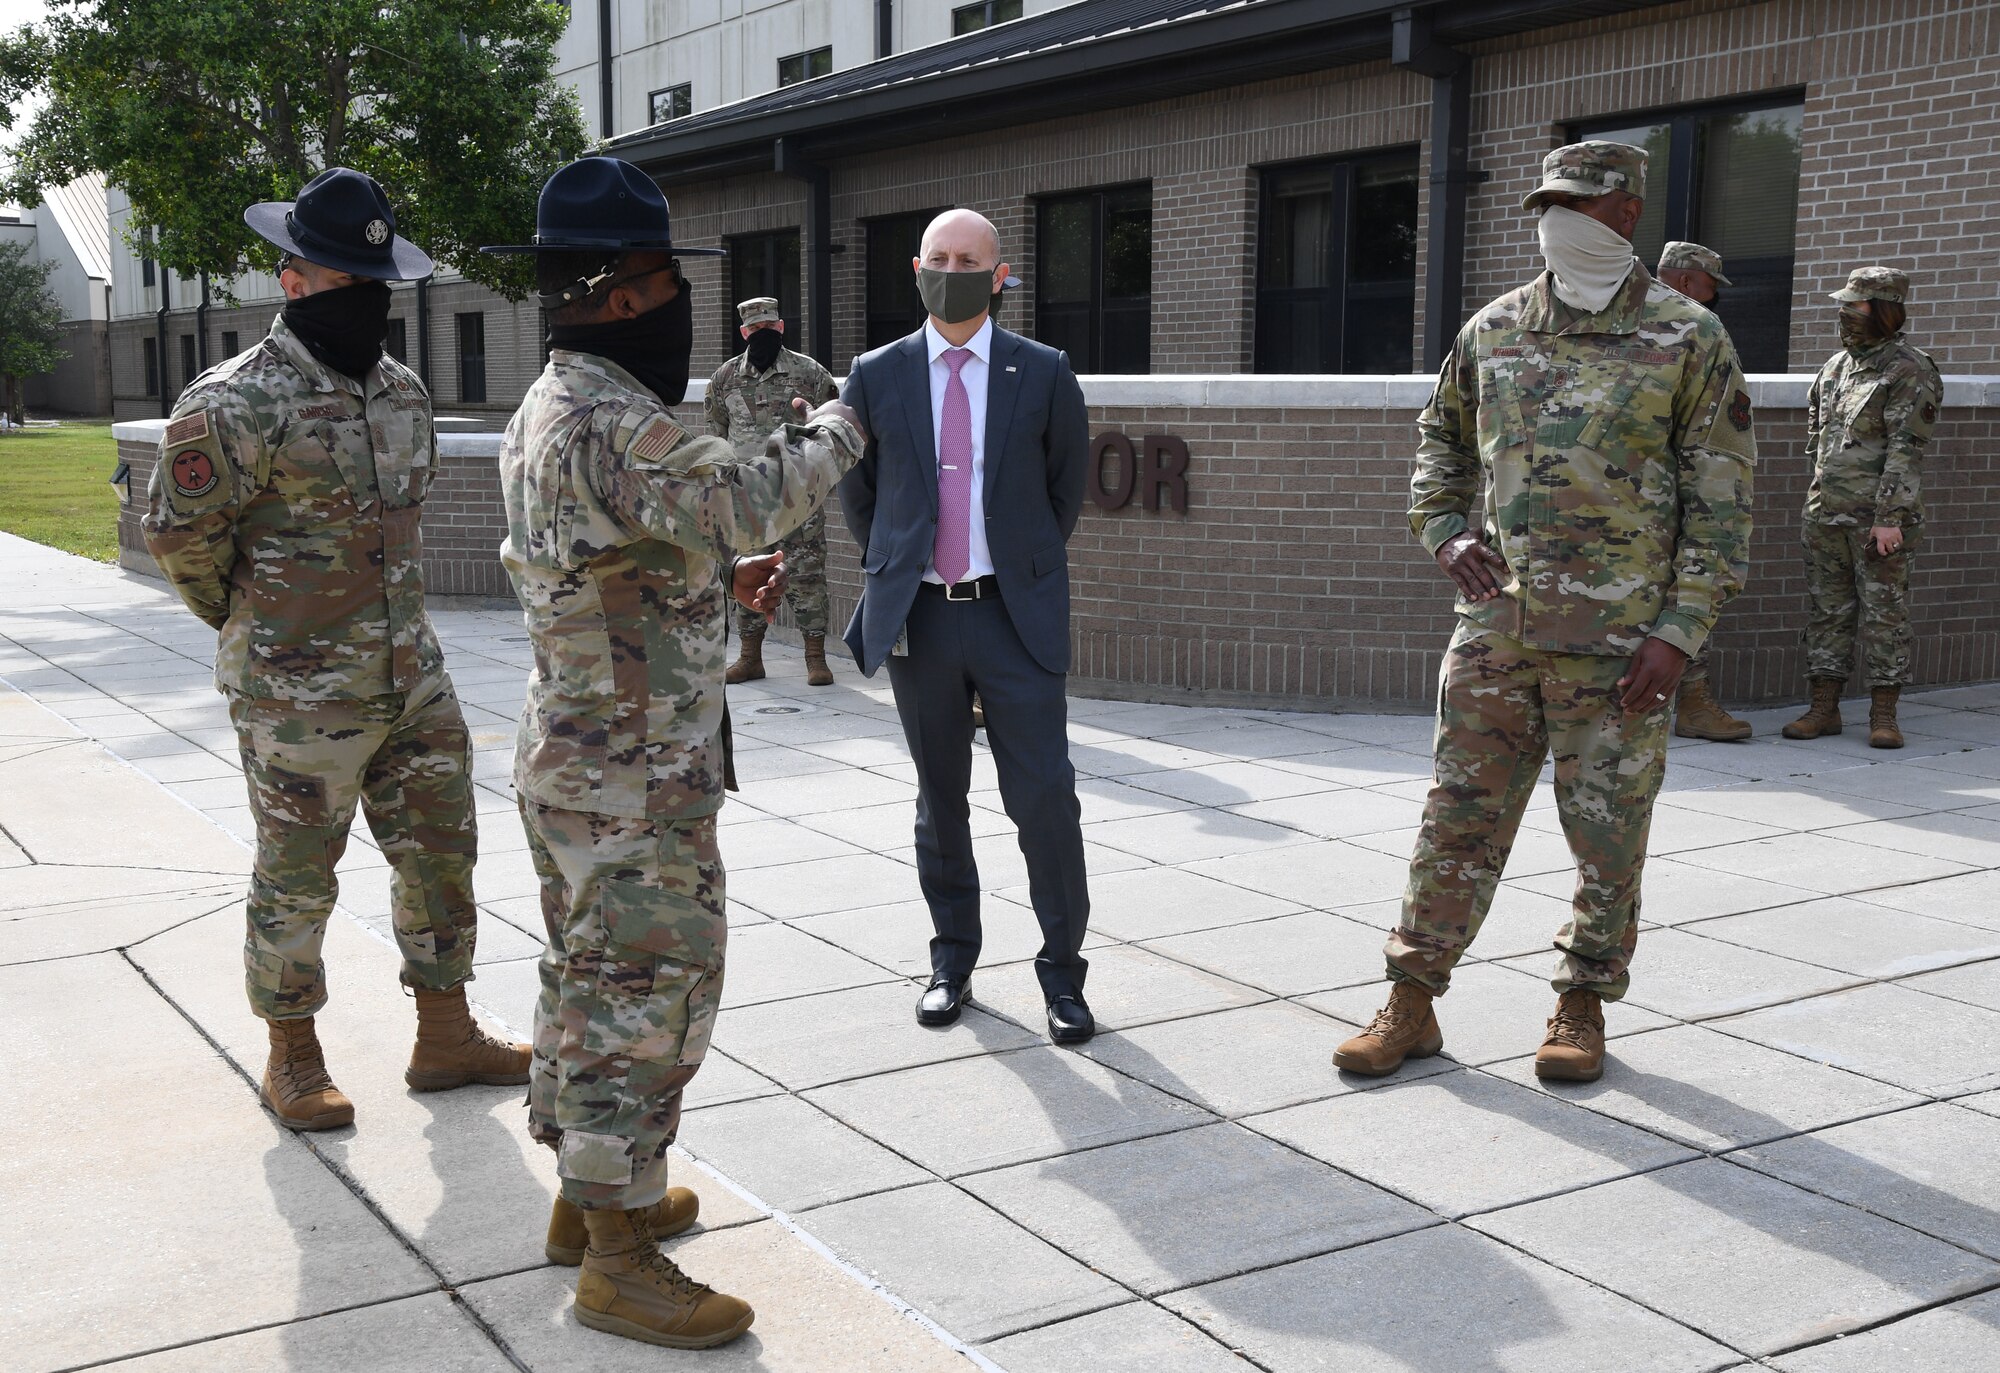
<point x="55" y="487"/>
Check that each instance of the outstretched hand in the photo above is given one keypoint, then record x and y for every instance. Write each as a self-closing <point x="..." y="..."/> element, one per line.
<point x="759" y="583"/>
<point x="833" y="409"/>
<point x="1652" y="678"/>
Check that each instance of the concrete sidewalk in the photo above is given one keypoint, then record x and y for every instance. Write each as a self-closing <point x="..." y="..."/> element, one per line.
<point x="1793" y="1161"/>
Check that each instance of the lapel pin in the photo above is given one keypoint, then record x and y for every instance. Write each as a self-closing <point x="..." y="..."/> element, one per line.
<point x="1013" y="369"/>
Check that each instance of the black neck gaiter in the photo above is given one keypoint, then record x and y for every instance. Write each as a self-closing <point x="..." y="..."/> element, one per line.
<point x="762" y="348"/>
<point x="653" y="347"/>
<point x="343" y="328"/>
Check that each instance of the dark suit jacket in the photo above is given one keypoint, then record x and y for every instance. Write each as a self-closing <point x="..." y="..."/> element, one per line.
<point x="1037" y="453"/>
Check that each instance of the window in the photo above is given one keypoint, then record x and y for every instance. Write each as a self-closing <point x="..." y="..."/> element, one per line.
<point x="150" y="350"/>
<point x="1094" y="278"/>
<point x="229" y="348"/>
<point x="804" y="66"/>
<point x="187" y="359"/>
<point x="675" y="102"/>
<point x="472" y="357"/>
<point x="984" y="15"/>
<point x="764" y="265"/>
<point x="1726" y="177"/>
<point x="1337" y="266"/>
<point x="894" y="308"/>
<point x="397" y="342"/>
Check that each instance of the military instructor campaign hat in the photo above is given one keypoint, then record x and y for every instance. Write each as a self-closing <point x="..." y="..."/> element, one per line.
<point x="1874" y="283"/>
<point x="343" y="222"/>
<point x="1590" y="168"/>
<point x="759" y="310"/>
<point x="1692" y="257"/>
<point x="602" y="202"/>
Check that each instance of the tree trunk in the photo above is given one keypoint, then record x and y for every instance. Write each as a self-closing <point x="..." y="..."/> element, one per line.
<point x="13" y="395"/>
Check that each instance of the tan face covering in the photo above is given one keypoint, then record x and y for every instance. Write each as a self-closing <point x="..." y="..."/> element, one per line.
<point x="1590" y="260"/>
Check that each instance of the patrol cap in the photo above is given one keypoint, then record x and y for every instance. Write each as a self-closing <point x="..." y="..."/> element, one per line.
<point x="342" y="221"/>
<point x="1590" y="168"/>
<point x="1694" y="258"/>
<point x="759" y="310"/>
<point x="602" y="202"/>
<point x="1875" y="283"/>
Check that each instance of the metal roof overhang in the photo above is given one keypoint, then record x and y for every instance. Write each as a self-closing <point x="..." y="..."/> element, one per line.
<point x="1256" y="40"/>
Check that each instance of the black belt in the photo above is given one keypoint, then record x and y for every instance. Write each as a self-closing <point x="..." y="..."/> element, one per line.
<point x="973" y="589"/>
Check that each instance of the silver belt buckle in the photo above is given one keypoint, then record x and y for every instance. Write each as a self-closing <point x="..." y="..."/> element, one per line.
<point x="973" y="595"/>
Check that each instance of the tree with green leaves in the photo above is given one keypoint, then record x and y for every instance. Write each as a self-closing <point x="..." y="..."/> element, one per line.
<point x="197" y="108"/>
<point x="30" y="325"/>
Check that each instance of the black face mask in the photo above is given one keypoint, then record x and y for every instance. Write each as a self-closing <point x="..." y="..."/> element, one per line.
<point x="344" y="327"/>
<point x="653" y="347"/>
<point x="762" y="348"/>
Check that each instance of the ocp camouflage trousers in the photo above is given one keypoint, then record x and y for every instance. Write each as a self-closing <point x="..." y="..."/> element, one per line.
<point x="631" y="982"/>
<point x="1851" y="587"/>
<point x="805" y="586"/>
<point x="1502" y="709"/>
<point x="404" y="761"/>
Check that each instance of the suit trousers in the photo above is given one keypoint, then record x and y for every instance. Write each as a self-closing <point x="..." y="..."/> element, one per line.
<point x="957" y="648"/>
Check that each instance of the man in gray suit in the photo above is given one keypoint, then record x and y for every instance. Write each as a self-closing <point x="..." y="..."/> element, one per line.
<point x="962" y="503"/>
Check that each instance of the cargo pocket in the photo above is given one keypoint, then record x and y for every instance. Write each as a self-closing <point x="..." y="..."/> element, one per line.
<point x="660" y="979"/>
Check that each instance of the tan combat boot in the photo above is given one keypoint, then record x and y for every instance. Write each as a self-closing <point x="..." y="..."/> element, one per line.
<point x="1574" y="1048"/>
<point x="817" y="672"/>
<point x="749" y="664"/>
<point x="1823" y="715"/>
<point x="452" y="1050"/>
<point x="1883" y="731"/>
<point x="296" y="1086"/>
<point x="628" y="1287"/>
<point x="569" y="1236"/>
<point x="1701" y="716"/>
<point x="978" y="712"/>
<point x="1405" y="1028"/>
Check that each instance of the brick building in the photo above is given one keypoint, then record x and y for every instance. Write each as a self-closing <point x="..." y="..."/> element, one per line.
<point x="1255" y="224"/>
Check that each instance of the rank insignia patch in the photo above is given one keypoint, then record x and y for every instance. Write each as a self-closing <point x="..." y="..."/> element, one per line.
<point x="1739" y="410"/>
<point x="1930" y="413"/>
<point x="194" y="473"/>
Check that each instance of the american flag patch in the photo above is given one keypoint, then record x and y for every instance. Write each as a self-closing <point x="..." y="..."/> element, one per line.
<point x="187" y="429"/>
<point x="657" y="439"/>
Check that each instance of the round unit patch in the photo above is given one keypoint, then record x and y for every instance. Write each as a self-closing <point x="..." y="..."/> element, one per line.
<point x="194" y="473"/>
<point x="377" y="231"/>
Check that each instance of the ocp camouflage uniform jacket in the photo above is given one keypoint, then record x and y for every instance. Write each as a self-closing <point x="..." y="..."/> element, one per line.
<point x="744" y="406"/>
<point x="616" y="523"/>
<point x="284" y="509"/>
<point x="1617" y="457"/>
<point x="1868" y="422"/>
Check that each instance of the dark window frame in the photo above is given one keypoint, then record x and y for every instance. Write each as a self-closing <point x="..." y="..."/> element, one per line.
<point x="1093" y="359"/>
<point x="190" y="355"/>
<point x="149" y="357"/>
<point x="988" y="12"/>
<point x="231" y="341"/>
<point x="1340" y="293"/>
<point x="820" y="57"/>
<point x="882" y="320"/>
<point x="684" y="90"/>
<point x="790" y="295"/>
<point x="1681" y="218"/>
<point x="472" y="362"/>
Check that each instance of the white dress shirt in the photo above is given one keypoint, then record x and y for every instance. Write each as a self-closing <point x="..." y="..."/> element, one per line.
<point x="973" y="375"/>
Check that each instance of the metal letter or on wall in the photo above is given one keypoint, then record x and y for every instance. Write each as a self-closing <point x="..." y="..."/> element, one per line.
<point x="1165" y="463"/>
<point x="1127" y="462"/>
<point x="1158" y="463"/>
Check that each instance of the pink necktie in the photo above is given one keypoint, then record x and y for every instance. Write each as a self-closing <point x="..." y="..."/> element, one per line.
<point x="953" y="553"/>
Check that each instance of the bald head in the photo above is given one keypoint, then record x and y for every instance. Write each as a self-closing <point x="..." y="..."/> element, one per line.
<point x="960" y="241"/>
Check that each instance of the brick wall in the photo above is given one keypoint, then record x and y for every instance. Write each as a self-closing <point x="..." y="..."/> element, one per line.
<point x="1292" y="579"/>
<point x="1901" y="141"/>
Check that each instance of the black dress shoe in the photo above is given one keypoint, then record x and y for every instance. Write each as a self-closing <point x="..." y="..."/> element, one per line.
<point x="1070" y="1021"/>
<point x="942" y="1001"/>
